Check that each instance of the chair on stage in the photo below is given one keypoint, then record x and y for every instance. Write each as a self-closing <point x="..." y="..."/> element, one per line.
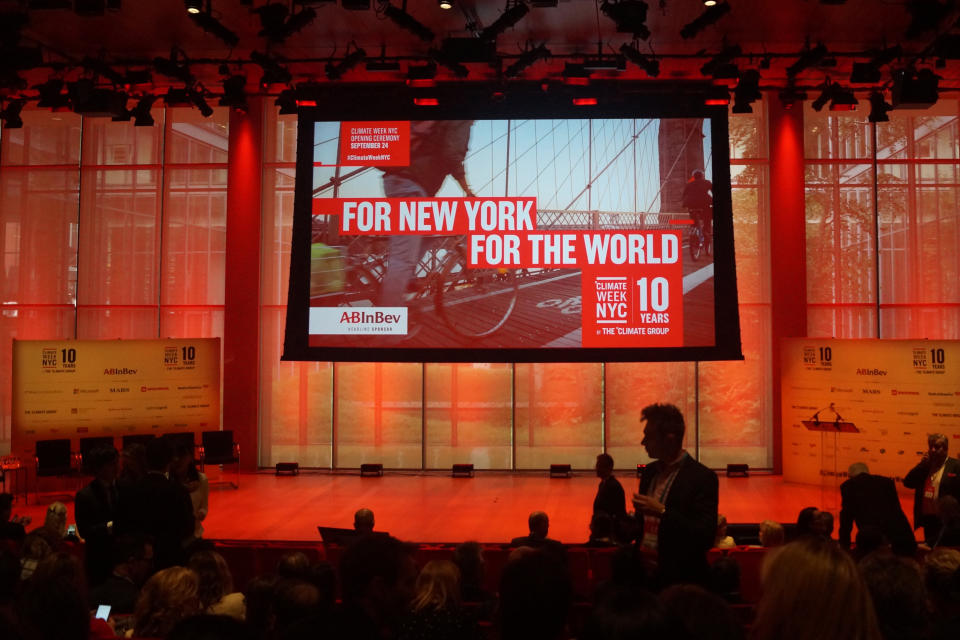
<point x="87" y="446"/>
<point x="183" y="440"/>
<point x="54" y="459"/>
<point x="219" y="448"/>
<point x="136" y="438"/>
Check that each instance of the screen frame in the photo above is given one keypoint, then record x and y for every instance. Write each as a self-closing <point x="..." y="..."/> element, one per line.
<point x="483" y="101"/>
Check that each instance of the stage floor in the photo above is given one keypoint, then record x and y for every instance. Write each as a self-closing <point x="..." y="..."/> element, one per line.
<point x="433" y="507"/>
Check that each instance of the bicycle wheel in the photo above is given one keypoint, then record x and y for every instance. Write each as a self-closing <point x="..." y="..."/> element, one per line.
<point x="474" y="302"/>
<point x="696" y="244"/>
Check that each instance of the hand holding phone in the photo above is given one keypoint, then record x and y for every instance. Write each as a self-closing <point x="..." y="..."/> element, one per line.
<point x="103" y="611"/>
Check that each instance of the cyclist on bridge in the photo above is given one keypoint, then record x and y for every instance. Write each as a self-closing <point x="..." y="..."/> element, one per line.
<point x="698" y="199"/>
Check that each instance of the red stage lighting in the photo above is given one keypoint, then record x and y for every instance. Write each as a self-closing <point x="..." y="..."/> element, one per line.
<point x="306" y="103"/>
<point x="716" y="102"/>
<point x="425" y="102"/>
<point x="582" y="102"/>
<point x="420" y="83"/>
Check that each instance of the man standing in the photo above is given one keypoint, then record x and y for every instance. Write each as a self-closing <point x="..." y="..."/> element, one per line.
<point x="677" y="500"/>
<point x="96" y="509"/>
<point x="871" y="502"/>
<point x="934" y="476"/>
<point x="610" y="497"/>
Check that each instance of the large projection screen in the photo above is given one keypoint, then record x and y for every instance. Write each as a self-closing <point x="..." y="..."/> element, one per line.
<point x="528" y="228"/>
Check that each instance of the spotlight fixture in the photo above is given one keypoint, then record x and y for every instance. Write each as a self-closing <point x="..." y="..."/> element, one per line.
<point x="196" y="97"/>
<point x="287" y="101"/>
<point x="843" y="99"/>
<point x="193" y="6"/>
<point x="405" y="21"/>
<point x="507" y="19"/>
<point x="709" y="3"/>
<point x="576" y="74"/>
<point x="206" y="21"/>
<point x="273" y="71"/>
<point x="234" y="93"/>
<point x="865" y="73"/>
<point x="878" y="108"/>
<point x="630" y="16"/>
<point x="11" y="114"/>
<point x="174" y="67"/>
<point x="141" y="113"/>
<point x="445" y="4"/>
<point x="102" y="69"/>
<point x="444" y="60"/>
<point x="89" y="100"/>
<point x="526" y="60"/>
<point x="336" y="71"/>
<point x="52" y="96"/>
<point x="650" y="65"/>
<point x="915" y="89"/>
<point x="821" y="101"/>
<point x="278" y="24"/>
<point x="808" y="58"/>
<point x="724" y="58"/>
<point x="746" y="91"/>
<point x="704" y="20"/>
<point x="790" y="96"/>
<point x="422" y="75"/>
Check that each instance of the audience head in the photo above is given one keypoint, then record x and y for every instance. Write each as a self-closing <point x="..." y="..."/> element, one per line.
<point x="856" y="469"/>
<point x="295" y="600"/>
<point x="55" y="520"/>
<point x="103" y="463"/>
<point x="625" y="615"/>
<point x="663" y="432"/>
<point x="214" y="576"/>
<point x="693" y="613"/>
<point x="133" y="461"/>
<point x="363" y="520"/>
<point x="159" y="455"/>
<point x="604" y="465"/>
<point x="870" y="540"/>
<point x="210" y="627"/>
<point x="898" y="594"/>
<point x="771" y="533"/>
<point x="438" y="587"/>
<point x="697" y="174"/>
<point x="721" y="526"/>
<point x="823" y="524"/>
<point x="812" y="589"/>
<point x="937" y="448"/>
<point x="539" y="524"/>
<point x="293" y="565"/>
<point x="6" y="506"/>
<point x="940" y="568"/>
<point x="168" y="597"/>
<point x="535" y="595"/>
<point x="133" y="557"/>
<point x="53" y="603"/>
<point x="378" y="574"/>
<point x="468" y="556"/>
<point x="805" y="521"/>
<point x="725" y="579"/>
<point x="260" y="596"/>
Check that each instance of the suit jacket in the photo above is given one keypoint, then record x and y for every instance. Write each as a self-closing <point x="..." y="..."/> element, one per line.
<point x="917" y="478"/>
<point x="871" y="501"/>
<point x="689" y="524"/>
<point x="95" y="506"/>
<point x="610" y="499"/>
<point x="161" y="508"/>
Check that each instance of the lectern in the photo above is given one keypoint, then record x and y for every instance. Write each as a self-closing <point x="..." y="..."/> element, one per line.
<point x="829" y="474"/>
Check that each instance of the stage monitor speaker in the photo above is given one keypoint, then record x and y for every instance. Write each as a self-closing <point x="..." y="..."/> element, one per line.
<point x="741" y="469"/>
<point x="371" y="469"/>
<point x="640" y="468"/>
<point x="293" y="468"/>
<point x="560" y="471"/>
<point x="464" y="470"/>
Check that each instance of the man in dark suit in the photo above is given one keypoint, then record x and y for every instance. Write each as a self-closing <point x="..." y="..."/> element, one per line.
<point x="935" y="475"/>
<point x="677" y="500"/>
<point x="610" y="498"/>
<point x="871" y="502"/>
<point x="539" y="525"/>
<point x="96" y="510"/>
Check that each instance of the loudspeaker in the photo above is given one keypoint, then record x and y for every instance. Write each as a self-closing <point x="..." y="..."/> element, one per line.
<point x="371" y="469"/>
<point x="293" y="468"/>
<point x="464" y="470"/>
<point x="560" y="471"/>
<point x="738" y="470"/>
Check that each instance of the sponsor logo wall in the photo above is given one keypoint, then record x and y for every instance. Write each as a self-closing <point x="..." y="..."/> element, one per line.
<point x="85" y="388"/>
<point x="894" y="392"/>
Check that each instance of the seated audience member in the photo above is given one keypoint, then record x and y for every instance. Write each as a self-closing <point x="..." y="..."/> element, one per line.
<point x="211" y="627"/>
<point x="771" y="534"/>
<point x="949" y="535"/>
<point x="601" y="531"/>
<point x="11" y="528"/>
<point x="468" y="556"/>
<point x="899" y="596"/>
<point x="35" y="549"/>
<point x="812" y="589"/>
<point x="722" y="540"/>
<point x="870" y="540"/>
<point x="378" y="577"/>
<point x="363" y="521"/>
<point x="539" y="525"/>
<point x="435" y="613"/>
<point x="260" y="597"/>
<point x="628" y="614"/>
<point x="823" y="524"/>
<point x="54" y="527"/>
<point x="693" y="613"/>
<point x="805" y="526"/>
<point x="132" y="565"/>
<point x="725" y="579"/>
<point x="96" y="508"/>
<point x="167" y="598"/>
<point x="183" y="469"/>
<point x="215" y="591"/>
<point x="535" y="597"/>
<point x="53" y="603"/>
<point x="941" y="575"/>
<point x="293" y="565"/>
<point x="298" y="610"/>
<point x="628" y="572"/>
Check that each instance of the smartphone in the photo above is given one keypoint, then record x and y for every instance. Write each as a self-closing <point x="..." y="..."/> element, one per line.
<point x="103" y="611"/>
<point x="72" y="531"/>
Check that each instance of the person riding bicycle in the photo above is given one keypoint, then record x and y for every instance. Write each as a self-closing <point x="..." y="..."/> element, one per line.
<point x="437" y="149"/>
<point x="698" y="200"/>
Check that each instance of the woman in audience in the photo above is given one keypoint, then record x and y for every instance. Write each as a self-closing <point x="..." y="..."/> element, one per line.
<point x="899" y="596"/>
<point x="168" y="597"/>
<point x="468" y="556"/>
<point x="771" y="533"/>
<point x="695" y="614"/>
<point x="184" y="470"/>
<point x="435" y="613"/>
<point x="812" y="590"/>
<point x="54" y="527"/>
<point x="53" y="603"/>
<point x="216" y="585"/>
<point x="722" y="540"/>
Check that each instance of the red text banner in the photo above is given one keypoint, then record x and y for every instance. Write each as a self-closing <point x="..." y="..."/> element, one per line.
<point x="573" y="249"/>
<point x="375" y="144"/>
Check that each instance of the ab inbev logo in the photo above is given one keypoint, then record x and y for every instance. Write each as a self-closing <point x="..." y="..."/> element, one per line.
<point x="355" y="321"/>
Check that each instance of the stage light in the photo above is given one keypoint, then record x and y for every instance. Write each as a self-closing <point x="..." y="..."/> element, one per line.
<point x="446" y="4"/>
<point x="843" y="100"/>
<point x="11" y="114"/>
<point x="426" y="102"/>
<point x="141" y="113"/>
<point x="630" y="16"/>
<point x="576" y="74"/>
<point x="584" y="102"/>
<point x="704" y="20"/>
<point x="196" y="97"/>
<point x="206" y="21"/>
<point x="273" y="71"/>
<point x="405" y="21"/>
<point x="709" y="3"/>
<point x="878" y="108"/>
<point x="193" y="6"/>
<point x="234" y="93"/>
<point x="455" y="67"/>
<point x="173" y="67"/>
<point x="915" y="89"/>
<point x="278" y="24"/>
<point x="88" y="100"/>
<point x="526" y="59"/>
<point x="507" y="19"/>
<point x="725" y="57"/>
<point x="821" y="101"/>
<point x="52" y="96"/>
<point x="747" y="91"/>
<point x="865" y="73"/>
<point x="336" y="71"/>
<point x="808" y="58"/>
<point x="287" y="101"/>
<point x="791" y="95"/>
<point x="422" y="75"/>
<point x="650" y="66"/>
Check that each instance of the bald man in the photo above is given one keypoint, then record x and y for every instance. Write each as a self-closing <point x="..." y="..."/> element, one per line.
<point x="871" y="502"/>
